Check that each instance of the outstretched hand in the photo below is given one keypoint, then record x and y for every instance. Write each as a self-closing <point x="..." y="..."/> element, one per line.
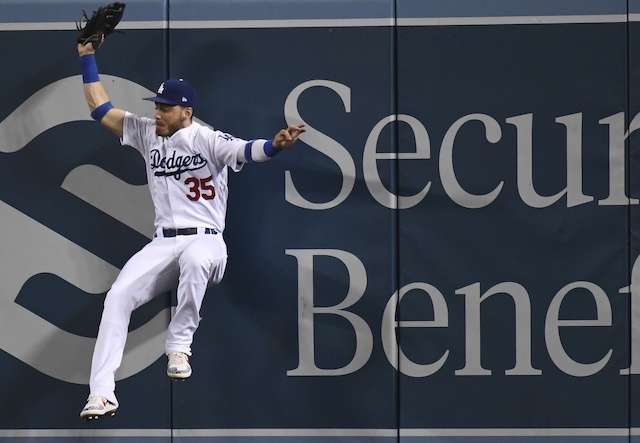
<point x="287" y="137"/>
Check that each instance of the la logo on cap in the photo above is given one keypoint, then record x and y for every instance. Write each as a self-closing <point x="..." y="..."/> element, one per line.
<point x="175" y="92"/>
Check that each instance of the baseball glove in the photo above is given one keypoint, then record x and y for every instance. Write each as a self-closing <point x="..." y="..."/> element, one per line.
<point x="102" y="23"/>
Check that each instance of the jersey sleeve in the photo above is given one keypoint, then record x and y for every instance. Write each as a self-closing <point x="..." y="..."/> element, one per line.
<point x="134" y="130"/>
<point x="228" y="150"/>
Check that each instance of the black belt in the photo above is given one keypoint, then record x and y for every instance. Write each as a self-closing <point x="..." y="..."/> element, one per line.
<point x="168" y="232"/>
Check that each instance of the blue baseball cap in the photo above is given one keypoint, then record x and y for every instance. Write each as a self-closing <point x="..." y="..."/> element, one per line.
<point x="175" y="92"/>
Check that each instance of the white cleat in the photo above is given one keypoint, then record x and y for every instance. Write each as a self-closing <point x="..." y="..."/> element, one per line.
<point x="96" y="407"/>
<point x="178" y="367"/>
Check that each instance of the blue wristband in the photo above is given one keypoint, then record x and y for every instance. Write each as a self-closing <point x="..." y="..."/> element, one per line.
<point x="99" y="113"/>
<point x="89" y="68"/>
<point x="270" y="150"/>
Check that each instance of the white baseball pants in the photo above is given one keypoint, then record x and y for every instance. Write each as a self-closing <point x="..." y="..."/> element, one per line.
<point x="191" y="261"/>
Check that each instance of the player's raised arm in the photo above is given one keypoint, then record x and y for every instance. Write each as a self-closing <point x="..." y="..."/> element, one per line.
<point x="97" y="99"/>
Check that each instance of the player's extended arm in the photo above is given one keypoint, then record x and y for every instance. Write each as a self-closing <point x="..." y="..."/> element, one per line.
<point x="97" y="99"/>
<point x="260" y="151"/>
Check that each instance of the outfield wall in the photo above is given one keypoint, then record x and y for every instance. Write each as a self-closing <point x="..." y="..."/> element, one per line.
<point x="449" y="255"/>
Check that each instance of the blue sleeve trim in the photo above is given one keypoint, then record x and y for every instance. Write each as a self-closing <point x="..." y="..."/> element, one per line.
<point x="247" y="152"/>
<point x="99" y="113"/>
<point x="89" y="69"/>
<point x="269" y="150"/>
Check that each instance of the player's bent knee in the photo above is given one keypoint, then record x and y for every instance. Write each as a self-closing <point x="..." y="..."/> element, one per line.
<point x="217" y="271"/>
<point x="117" y="303"/>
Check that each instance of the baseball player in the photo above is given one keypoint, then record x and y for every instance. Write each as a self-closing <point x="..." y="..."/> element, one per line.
<point x="187" y="166"/>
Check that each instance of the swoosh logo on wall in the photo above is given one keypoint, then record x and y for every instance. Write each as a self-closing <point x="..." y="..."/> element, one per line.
<point x="23" y="334"/>
<point x="36" y="341"/>
<point x="42" y="111"/>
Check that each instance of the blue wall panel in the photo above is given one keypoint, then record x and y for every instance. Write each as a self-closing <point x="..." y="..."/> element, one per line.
<point x="496" y="101"/>
<point x="252" y="82"/>
<point x="74" y="205"/>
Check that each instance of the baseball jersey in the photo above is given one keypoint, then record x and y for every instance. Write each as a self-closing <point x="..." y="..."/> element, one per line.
<point x="187" y="172"/>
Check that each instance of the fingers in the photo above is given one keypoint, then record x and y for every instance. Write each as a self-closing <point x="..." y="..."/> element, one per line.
<point x="287" y="137"/>
<point x="286" y="134"/>
<point x="293" y="131"/>
<point x="296" y="130"/>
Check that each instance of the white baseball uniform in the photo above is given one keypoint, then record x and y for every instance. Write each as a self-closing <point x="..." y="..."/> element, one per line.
<point x="187" y="176"/>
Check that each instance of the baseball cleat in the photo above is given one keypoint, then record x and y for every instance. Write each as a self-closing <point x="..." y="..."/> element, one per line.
<point x="178" y="367"/>
<point x="96" y="407"/>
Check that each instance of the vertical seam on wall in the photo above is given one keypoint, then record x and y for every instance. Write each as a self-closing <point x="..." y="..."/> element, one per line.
<point x="167" y="70"/>
<point x="167" y="40"/>
<point x="629" y="227"/>
<point x="396" y="212"/>
<point x="167" y="57"/>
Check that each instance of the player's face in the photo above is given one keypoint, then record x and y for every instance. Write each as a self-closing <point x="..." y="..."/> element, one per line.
<point x="171" y="118"/>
